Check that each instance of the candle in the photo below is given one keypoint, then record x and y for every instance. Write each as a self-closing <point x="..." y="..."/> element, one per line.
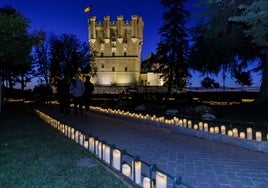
<point x="235" y="132"/>
<point x="91" y="144"/>
<point x="116" y="159"/>
<point x="189" y="124"/>
<point x="184" y="122"/>
<point x="200" y="125"/>
<point x="146" y="182"/>
<point x="161" y="180"/>
<point x="223" y="129"/>
<point x="242" y="135"/>
<point x="180" y="123"/>
<point x="107" y="153"/>
<point x="258" y="136"/>
<point x="81" y="139"/>
<point x="195" y="126"/>
<point x="249" y="133"/>
<point x="99" y="149"/>
<point x="206" y="127"/>
<point x="96" y="148"/>
<point x="137" y="171"/>
<point x="230" y="133"/>
<point x="211" y="129"/>
<point x="216" y="129"/>
<point x="86" y="144"/>
<point x="126" y="170"/>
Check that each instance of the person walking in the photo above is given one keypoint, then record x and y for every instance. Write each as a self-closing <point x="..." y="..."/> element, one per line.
<point x="77" y="89"/>
<point x="89" y="88"/>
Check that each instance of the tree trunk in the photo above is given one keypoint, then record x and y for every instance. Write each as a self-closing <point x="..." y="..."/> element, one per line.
<point x="262" y="98"/>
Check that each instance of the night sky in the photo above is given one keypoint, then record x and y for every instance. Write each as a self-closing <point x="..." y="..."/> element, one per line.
<point x="67" y="16"/>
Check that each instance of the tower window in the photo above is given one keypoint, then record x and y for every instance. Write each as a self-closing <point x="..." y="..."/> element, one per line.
<point x="125" y="69"/>
<point x="102" y="65"/>
<point x="113" y="69"/>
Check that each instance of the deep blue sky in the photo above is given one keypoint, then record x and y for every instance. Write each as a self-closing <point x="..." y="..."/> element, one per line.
<point x="67" y="16"/>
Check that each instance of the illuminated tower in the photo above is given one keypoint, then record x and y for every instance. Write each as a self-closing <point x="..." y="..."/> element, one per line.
<point x="118" y="45"/>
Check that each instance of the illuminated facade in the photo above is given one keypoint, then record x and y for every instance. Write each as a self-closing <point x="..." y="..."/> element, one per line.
<point x="118" y="45"/>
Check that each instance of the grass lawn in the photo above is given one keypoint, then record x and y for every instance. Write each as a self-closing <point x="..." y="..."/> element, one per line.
<point x="33" y="154"/>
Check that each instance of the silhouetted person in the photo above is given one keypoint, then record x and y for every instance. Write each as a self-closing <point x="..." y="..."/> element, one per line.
<point x="89" y="88"/>
<point x="77" y="89"/>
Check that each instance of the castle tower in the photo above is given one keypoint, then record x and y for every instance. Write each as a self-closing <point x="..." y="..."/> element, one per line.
<point x="118" y="45"/>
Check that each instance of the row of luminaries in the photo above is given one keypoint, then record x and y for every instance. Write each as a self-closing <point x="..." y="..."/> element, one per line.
<point x="201" y="126"/>
<point x="108" y="154"/>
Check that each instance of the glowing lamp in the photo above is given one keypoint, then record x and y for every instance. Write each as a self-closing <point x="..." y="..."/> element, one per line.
<point x="242" y="135"/>
<point x="258" y="136"/>
<point x="116" y="159"/>
<point x="249" y="133"/>
<point x="137" y="173"/>
<point x="223" y="130"/>
<point x="126" y="170"/>
<point x="146" y="182"/>
<point x="161" y="180"/>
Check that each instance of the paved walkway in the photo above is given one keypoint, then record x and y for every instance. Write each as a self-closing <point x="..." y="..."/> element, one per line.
<point x="201" y="163"/>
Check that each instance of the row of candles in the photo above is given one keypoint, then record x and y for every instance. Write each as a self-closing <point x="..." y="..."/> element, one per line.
<point x="202" y="126"/>
<point x="107" y="154"/>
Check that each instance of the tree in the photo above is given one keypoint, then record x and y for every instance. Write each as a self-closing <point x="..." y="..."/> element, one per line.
<point x="172" y="50"/>
<point x="243" y="78"/>
<point x="207" y="82"/>
<point x="41" y="57"/>
<point x="16" y="44"/>
<point x="221" y="41"/>
<point x="254" y="20"/>
<point x="68" y="56"/>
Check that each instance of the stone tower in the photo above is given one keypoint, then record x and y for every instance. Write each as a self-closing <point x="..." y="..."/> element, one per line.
<point x="118" y="45"/>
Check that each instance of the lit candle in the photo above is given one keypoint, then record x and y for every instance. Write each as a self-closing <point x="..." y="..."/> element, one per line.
<point x="146" y="182"/>
<point x="195" y="126"/>
<point x="211" y="129"/>
<point x="230" y="133"/>
<point x="137" y="171"/>
<point x="76" y="137"/>
<point x="189" y="124"/>
<point x="249" y="133"/>
<point x="242" y="135"/>
<point x="99" y="149"/>
<point x="180" y="123"/>
<point x="206" y="127"/>
<point x="81" y="139"/>
<point x="107" y="153"/>
<point x="161" y="180"/>
<point x="258" y="136"/>
<point x="116" y="159"/>
<point x="126" y="170"/>
<point x="86" y="144"/>
<point x="235" y="132"/>
<point x="96" y="147"/>
<point x="72" y="133"/>
<point x="200" y="125"/>
<point x="223" y="129"/>
<point x="216" y="129"/>
<point x="184" y="122"/>
<point x="91" y="144"/>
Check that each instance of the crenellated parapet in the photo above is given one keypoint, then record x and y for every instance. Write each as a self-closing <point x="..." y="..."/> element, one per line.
<point x="118" y="45"/>
<point x="124" y="33"/>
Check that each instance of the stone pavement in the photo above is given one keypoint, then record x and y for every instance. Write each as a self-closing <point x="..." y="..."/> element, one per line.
<point x="201" y="163"/>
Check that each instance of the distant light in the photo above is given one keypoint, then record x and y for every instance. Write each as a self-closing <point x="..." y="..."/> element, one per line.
<point x="88" y="9"/>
